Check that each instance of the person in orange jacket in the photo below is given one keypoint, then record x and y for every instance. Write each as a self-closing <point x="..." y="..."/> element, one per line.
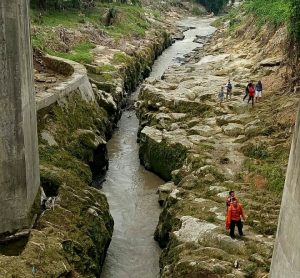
<point x="234" y="215"/>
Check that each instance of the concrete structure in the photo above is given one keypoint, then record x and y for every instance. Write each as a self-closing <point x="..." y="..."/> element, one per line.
<point x="19" y="163"/>
<point x="78" y="80"/>
<point x="286" y="255"/>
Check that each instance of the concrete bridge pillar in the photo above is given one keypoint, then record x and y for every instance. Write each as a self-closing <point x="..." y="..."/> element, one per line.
<point x="19" y="163"/>
<point x="286" y="255"/>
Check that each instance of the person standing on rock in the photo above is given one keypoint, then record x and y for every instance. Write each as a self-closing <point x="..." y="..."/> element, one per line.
<point x="258" y="91"/>
<point x="229" y="90"/>
<point x="246" y="91"/>
<point x="234" y="217"/>
<point x="221" y="96"/>
<point x="251" y="91"/>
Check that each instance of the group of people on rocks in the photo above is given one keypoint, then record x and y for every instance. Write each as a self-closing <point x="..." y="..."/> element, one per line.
<point x="253" y="92"/>
<point x="234" y="215"/>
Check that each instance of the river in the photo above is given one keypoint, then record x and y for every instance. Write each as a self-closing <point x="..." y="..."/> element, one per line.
<point x="130" y="189"/>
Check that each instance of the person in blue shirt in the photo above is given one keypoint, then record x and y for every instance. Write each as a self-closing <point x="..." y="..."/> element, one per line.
<point x="258" y="91"/>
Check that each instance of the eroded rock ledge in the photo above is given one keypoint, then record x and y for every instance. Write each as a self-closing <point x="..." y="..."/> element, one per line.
<point x="201" y="148"/>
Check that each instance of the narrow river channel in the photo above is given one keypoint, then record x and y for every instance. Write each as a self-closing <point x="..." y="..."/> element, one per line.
<point x="130" y="189"/>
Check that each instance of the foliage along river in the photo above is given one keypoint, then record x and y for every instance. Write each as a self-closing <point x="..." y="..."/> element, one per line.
<point x="130" y="189"/>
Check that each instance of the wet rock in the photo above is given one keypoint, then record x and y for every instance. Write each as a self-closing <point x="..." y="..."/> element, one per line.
<point x="163" y="151"/>
<point x="179" y="36"/>
<point x="164" y="191"/>
<point x="200" y="39"/>
<point x="173" y="195"/>
<point x="106" y="101"/>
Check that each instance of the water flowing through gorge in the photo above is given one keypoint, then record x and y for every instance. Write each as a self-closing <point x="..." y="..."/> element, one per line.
<point x="130" y="189"/>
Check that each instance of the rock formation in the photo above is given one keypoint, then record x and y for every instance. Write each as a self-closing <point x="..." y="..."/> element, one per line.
<point x="206" y="150"/>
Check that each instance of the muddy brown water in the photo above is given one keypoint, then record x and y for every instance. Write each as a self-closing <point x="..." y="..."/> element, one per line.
<point x="131" y="190"/>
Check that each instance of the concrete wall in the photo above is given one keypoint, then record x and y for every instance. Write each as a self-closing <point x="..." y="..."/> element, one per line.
<point x="78" y="80"/>
<point x="19" y="163"/>
<point x="286" y="255"/>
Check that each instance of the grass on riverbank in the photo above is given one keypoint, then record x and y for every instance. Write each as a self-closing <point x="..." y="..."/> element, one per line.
<point x="72" y="34"/>
<point x="130" y="19"/>
<point x="274" y="12"/>
<point x="80" y="53"/>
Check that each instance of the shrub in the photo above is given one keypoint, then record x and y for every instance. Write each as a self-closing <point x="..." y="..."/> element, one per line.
<point x="295" y="20"/>
<point x="213" y="5"/>
<point x="275" y="12"/>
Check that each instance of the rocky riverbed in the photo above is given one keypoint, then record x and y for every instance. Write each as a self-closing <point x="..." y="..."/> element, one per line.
<point x="204" y="150"/>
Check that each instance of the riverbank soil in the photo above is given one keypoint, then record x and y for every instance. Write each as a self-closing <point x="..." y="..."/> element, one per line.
<point x="205" y="150"/>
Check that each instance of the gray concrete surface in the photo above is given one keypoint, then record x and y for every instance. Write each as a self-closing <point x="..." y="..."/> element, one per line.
<point x="286" y="255"/>
<point x="77" y="81"/>
<point x="19" y="163"/>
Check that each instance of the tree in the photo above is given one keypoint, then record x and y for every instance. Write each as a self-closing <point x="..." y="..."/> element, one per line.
<point x="295" y="20"/>
<point x="213" y="5"/>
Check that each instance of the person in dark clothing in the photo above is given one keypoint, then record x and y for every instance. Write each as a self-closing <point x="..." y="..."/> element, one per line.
<point x="251" y="91"/>
<point x="246" y="91"/>
<point x="229" y="199"/>
<point x="234" y="215"/>
<point x="228" y="90"/>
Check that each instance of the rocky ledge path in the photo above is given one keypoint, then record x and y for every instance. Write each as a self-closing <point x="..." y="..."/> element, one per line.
<point x="199" y="147"/>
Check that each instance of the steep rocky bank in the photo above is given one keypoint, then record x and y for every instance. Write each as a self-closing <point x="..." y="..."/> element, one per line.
<point x="74" y="229"/>
<point x="205" y="150"/>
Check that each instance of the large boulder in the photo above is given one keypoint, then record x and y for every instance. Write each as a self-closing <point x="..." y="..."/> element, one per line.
<point x="162" y="152"/>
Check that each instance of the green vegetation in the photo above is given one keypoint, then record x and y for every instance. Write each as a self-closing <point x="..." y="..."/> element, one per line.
<point x="79" y="53"/>
<point x="156" y="14"/>
<point x="106" y="68"/>
<point x="54" y="29"/>
<point x="68" y="4"/>
<point x="276" y="12"/>
<point x="273" y="173"/>
<point x="197" y="11"/>
<point x="213" y="5"/>
<point x="130" y="20"/>
<point x="269" y="164"/>
<point x="295" y="20"/>
<point x="120" y="58"/>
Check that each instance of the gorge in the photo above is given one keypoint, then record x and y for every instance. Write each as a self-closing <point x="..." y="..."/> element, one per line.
<point x="199" y="148"/>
